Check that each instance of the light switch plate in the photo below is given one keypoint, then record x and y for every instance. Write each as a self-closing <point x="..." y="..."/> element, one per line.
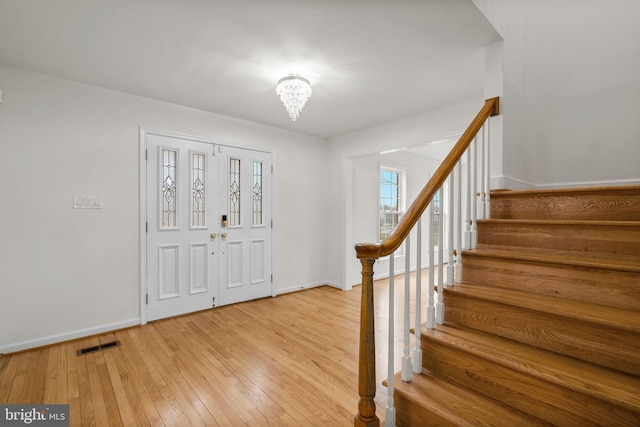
<point x="87" y="202"/>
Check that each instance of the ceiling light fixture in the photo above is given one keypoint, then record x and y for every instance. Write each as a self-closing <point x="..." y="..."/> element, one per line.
<point x="294" y="92"/>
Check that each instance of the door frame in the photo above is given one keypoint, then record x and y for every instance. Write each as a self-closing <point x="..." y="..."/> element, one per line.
<point x="142" y="199"/>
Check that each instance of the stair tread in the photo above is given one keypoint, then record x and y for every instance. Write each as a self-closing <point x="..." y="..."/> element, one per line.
<point x="458" y="404"/>
<point x="563" y="191"/>
<point x="602" y="383"/>
<point x="596" y="203"/>
<point x="613" y="317"/>
<point x="555" y="257"/>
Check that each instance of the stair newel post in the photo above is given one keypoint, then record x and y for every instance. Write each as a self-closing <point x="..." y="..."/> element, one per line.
<point x="366" y="415"/>
<point x="407" y="366"/>
<point x="431" y="310"/>
<point x="390" y="410"/>
<point x="439" y="304"/>
<point x="468" y="198"/>
<point x="458" y="223"/>
<point x="416" y="356"/>
<point x="450" y="218"/>
<point x="474" y="194"/>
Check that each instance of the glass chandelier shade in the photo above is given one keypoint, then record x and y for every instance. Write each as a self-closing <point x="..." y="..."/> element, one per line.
<point x="294" y="92"/>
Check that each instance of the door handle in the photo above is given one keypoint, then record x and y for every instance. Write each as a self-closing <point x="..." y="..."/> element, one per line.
<point x="224" y="235"/>
<point x="214" y="235"/>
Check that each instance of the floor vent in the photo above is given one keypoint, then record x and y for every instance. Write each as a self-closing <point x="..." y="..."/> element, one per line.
<point x="99" y="347"/>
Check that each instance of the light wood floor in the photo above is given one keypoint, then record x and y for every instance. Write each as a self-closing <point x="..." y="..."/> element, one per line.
<point x="290" y="360"/>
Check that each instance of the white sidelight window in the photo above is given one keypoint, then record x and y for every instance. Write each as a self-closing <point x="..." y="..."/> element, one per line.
<point x="437" y="217"/>
<point x="234" y="192"/>
<point x="256" y="211"/>
<point x="168" y="188"/>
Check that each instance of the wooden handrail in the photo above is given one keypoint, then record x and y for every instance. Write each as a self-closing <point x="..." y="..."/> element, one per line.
<point x="369" y="252"/>
<point x="390" y="244"/>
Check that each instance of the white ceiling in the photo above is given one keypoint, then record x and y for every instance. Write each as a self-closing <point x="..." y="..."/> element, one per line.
<point x="369" y="62"/>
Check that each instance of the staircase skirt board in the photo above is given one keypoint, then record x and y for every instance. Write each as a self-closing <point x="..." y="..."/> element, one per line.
<point x="545" y="327"/>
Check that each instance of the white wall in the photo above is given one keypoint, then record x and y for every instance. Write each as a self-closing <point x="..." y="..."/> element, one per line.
<point x="571" y="90"/>
<point x="71" y="272"/>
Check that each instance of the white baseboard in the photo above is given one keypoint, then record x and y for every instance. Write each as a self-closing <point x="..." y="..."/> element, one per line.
<point x="335" y="285"/>
<point x="603" y="183"/>
<point x="308" y="286"/>
<point x="506" y="182"/>
<point x="67" y="336"/>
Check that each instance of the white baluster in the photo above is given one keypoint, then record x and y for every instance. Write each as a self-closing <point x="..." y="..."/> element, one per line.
<point x="458" y="223"/>
<point x="407" y="366"/>
<point x="416" y="356"/>
<point x="467" y="222"/>
<point x="487" y="186"/>
<point x="450" y="217"/>
<point x="390" y="410"/>
<point x="481" y="192"/>
<point x="440" y="305"/>
<point x="474" y="198"/>
<point x="431" y="310"/>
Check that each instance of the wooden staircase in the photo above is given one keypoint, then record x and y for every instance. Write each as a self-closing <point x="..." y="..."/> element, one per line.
<point x="545" y="327"/>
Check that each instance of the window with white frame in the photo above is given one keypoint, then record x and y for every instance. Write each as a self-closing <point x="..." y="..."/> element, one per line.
<point x="436" y="218"/>
<point x="391" y="202"/>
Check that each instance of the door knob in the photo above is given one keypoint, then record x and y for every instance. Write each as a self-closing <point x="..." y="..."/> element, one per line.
<point x="224" y="235"/>
<point x="214" y="235"/>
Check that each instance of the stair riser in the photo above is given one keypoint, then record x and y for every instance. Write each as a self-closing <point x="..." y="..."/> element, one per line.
<point x="617" y="349"/>
<point x="583" y="239"/>
<point x="417" y="404"/>
<point x="615" y="205"/>
<point x="601" y="286"/>
<point x="411" y="413"/>
<point x="530" y="394"/>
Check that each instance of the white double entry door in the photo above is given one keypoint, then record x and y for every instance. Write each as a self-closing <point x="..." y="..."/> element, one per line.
<point x="208" y="238"/>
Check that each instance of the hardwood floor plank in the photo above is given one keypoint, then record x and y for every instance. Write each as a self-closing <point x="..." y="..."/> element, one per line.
<point x="62" y="383"/>
<point x="17" y="383"/>
<point x="51" y="375"/>
<point x="108" y="394"/>
<point x="8" y="374"/>
<point x="139" y="385"/>
<point x="84" y="389"/>
<point x="73" y="384"/>
<point x="98" y="395"/>
<point x="125" y="410"/>
<point x="134" y="402"/>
